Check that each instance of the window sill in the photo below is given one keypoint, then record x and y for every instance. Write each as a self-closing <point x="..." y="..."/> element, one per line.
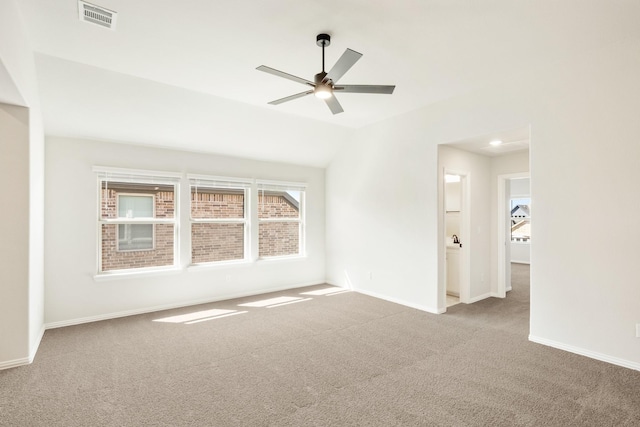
<point x="217" y="265"/>
<point x="282" y="258"/>
<point x="129" y="274"/>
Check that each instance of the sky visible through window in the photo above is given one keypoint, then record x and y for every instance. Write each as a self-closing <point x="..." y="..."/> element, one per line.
<point x="295" y="195"/>
<point x="523" y="201"/>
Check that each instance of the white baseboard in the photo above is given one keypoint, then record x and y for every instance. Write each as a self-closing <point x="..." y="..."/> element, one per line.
<point x="399" y="301"/>
<point x="15" y="363"/>
<point x="24" y="360"/>
<point x="115" y="315"/>
<point x="588" y="353"/>
<point x="36" y="345"/>
<point x="480" y="297"/>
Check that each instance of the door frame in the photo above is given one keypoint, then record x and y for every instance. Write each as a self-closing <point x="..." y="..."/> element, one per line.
<point x="503" y="240"/>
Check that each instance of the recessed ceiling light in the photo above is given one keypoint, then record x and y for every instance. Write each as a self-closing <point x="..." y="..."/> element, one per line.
<point x="495" y="143"/>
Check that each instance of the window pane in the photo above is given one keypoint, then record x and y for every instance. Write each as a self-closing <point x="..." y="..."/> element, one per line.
<point x="521" y="230"/>
<point x="157" y="256"/>
<point x="279" y="238"/>
<point x="215" y="203"/>
<point x="135" y="206"/>
<point x="521" y="220"/>
<point x="278" y="204"/>
<point x="118" y="199"/>
<point x="216" y="242"/>
<point x="132" y="237"/>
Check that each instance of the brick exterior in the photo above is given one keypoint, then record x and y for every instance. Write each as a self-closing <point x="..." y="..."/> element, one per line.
<point x="277" y="238"/>
<point x="161" y="254"/>
<point x="275" y="206"/>
<point x="210" y="242"/>
<point x="217" y="205"/>
<point x="216" y="242"/>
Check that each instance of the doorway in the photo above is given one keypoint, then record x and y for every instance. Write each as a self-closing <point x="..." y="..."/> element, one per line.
<point x="455" y="245"/>
<point x="514" y="226"/>
<point x="478" y="160"/>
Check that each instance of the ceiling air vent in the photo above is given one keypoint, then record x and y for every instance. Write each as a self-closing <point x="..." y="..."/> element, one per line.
<point x="88" y="12"/>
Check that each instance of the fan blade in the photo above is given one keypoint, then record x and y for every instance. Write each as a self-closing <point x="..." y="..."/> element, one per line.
<point x="365" y="89"/>
<point x="346" y="61"/>
<point x="291" y="98"/>
<point x="284" y="75"/>
<point x="334" y="105"/>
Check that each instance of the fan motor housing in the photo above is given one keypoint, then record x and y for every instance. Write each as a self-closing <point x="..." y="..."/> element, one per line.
<point x="323" y="40"/>
<point x="318" y="78"/>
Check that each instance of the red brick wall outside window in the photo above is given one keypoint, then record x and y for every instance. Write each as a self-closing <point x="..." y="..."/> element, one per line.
<point x="162" y="252"/>
<point x="217" y="241"/>
<point x="210" y="241"/>
<point x="282" y="237"/>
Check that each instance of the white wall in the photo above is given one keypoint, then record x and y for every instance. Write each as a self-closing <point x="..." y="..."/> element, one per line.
<point x="380" y="222"/>
<point x="583" y="116"/>
<point x="14" y="229"/>
<point x="521" y="253"/>
<point x="452" y="199"/>
<point x="18" y="86"/>
<point x="72" y="294"/>
<point x="520" y="187"/>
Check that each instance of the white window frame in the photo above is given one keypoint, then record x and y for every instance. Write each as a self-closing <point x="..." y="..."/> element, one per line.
<point x="268" y="185"/>
<point x="153" y="232"/>
<point x="108" y="174"/>
<point x="223" y="183"/>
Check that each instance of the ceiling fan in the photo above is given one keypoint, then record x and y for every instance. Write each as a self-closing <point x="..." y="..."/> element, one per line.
<point x="324" y="84"/>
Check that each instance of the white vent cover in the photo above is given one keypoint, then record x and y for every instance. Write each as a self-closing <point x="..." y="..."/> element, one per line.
<point x="88" y="12"/>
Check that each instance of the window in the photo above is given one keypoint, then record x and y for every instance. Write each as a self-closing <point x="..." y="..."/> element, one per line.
<point x="219" y="219"/>
<point x="521" y="220"/>
<point x="280" y="219"/>
<point x="135" y="237"/>
<point x="137" y="220"/>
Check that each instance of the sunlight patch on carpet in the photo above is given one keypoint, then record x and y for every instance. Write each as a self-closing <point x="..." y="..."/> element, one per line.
<point x="326" y="291"/>
<point x="183" y="318"/>
<point x="270" y="301"/>
<point x="215" y="317"/>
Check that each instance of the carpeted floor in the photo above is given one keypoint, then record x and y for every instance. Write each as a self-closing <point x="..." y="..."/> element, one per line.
<point x="331" y="360"/>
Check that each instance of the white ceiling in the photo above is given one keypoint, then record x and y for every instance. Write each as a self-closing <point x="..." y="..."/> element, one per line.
<point x="178" y="73"/>
<point x="511" y="141"/>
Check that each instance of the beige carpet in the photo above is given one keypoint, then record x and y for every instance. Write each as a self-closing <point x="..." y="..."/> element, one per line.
<point x="336" y="360"/>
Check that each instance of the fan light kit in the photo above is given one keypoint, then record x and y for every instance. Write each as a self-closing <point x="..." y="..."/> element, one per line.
<point x="324" y="84"/>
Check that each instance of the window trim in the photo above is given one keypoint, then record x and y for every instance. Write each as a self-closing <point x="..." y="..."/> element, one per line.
<point x="179" y="182"/>
<point x="270" y="185"/>
<point x="108" y="174"/>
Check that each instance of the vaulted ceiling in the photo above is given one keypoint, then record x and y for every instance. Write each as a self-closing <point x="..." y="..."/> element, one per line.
<point x="182" y="74"/>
